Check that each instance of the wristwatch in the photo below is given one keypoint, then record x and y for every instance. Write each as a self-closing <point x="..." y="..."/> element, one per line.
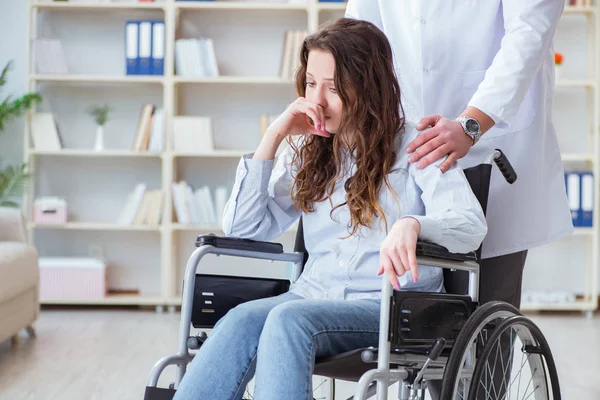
<point x="471" y="127"/>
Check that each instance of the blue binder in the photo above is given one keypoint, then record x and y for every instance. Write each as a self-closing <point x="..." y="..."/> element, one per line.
<point x="145" y="47"/>
<point x="587" y="199"/>
<point x="573" y="183"/>
<point x="132" y="66"/>
<point x="158" y="48"/>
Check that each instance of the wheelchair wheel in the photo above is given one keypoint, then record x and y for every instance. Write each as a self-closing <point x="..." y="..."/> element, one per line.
<point x="473" y="335"/>
<point x="528" y="373"/>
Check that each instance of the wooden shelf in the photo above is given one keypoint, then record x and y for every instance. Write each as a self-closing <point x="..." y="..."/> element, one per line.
<point x="331" y="6"/>
<point x="197" y="228"/>
<point x="576" y="83"/>
<point x="96" y="226"/>
<point x="70" y="6"/>
<point x="215" y="154"/>
<point x="583" y="231"/>
<point x="111" y="299"/>
<point x="579" y="305"/>
<point x="99" y="78"/>
<point x="579" y="10"/>
<point x="575" y="157"/>
<point x="251" y="80"/>
<point x="92" y="153"/>
<point x="230" y="5"/>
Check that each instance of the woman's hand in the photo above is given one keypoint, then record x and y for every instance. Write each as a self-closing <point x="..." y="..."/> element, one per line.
<point x="398" y="252"/>
<point x="293" y="121"/>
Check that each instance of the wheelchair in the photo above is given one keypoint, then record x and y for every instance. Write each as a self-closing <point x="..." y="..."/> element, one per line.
<point x="423" y="337"/>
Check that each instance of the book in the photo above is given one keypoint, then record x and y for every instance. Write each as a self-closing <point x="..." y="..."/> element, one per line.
<point x="44" y="132"/>
<point x="142" y="135"/>
<point x="192" y="135"/>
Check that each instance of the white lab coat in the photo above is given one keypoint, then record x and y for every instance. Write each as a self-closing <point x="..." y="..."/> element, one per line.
<point x="496" y="55"/>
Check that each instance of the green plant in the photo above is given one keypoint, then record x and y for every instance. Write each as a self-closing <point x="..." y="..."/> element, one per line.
<point x="13" y="179"/>
<point x="100" y="113"/>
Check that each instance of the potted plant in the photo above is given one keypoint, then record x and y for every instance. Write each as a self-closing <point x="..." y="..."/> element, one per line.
<point x="100" y="114"/>
<point x="13" y="178"/>
<point x="558" y="62"/>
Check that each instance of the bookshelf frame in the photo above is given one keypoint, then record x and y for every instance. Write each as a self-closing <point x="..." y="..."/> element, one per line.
<point x="170" y="82"/>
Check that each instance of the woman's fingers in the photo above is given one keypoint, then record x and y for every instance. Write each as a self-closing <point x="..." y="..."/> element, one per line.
<point x="412" y="261"/>
<point x="390" y="272"/>
<point x="312" y="112"/>
<point x="399" y="264"/>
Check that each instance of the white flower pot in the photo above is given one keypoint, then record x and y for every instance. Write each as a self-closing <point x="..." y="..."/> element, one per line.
<point x="99" y="144"/>
<point x="558" y="72"/>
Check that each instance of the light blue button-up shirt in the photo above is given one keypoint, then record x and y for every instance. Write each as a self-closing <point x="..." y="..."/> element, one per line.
<point x="260" y="208"/>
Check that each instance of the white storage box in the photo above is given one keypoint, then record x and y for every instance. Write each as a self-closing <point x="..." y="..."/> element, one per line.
<point x="50" y="211"/>
<point x="67" y="278"/>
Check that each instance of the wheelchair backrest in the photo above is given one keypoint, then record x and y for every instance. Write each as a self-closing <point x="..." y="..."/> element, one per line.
<point x="455" y="282"/>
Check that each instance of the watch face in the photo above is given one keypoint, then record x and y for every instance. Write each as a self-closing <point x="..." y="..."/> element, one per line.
<point x="472" y="126"/>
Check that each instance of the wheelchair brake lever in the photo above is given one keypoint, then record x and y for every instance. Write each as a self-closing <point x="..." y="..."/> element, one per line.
<point x="417" y="390"/>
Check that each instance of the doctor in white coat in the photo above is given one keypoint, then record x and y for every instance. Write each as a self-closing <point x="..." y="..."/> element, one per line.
<point x="489" y="64"/>
<point x="481" y="74"/>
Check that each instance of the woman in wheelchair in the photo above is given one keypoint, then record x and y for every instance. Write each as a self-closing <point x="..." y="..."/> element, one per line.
<point x="363" y="205"/>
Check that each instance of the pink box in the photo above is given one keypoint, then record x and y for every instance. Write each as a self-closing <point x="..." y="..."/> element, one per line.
<point x="72" y="278"/>
<point x="50" y="211"/>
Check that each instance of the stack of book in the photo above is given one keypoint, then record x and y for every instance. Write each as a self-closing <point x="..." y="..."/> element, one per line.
<point x="143" y="207"/>
<point x="197" y="206"/>
<point x="49" y="56"/>
<point x="150" y="133"/>
<point x="290" y="57"/>
<point x="580" y="192"/>
<point x="145" y="47"/>
<point x="195" y="57"/>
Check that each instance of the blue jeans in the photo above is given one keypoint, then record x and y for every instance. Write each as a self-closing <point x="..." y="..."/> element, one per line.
<point x="279" y="339"/>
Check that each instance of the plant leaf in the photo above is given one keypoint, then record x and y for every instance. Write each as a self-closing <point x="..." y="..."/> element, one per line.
<point x="13" y="181"/>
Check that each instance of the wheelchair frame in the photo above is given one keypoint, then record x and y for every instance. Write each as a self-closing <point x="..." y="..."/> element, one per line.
<point x="383" y="375"/>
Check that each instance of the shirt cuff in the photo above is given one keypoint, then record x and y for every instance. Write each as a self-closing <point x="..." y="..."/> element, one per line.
<point x="254" y="174"/>
<point x="498" y="122"/>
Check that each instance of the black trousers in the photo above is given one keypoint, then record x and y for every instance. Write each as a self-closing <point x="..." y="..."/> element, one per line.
<point x="500" y="279"/>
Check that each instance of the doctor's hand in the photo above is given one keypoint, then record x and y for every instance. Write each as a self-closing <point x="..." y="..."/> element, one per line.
<point x="398" y="252"/>
<point x="446" y="137"/>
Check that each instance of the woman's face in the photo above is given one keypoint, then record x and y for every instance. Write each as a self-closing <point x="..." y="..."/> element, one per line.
<point x="320" y="88"/>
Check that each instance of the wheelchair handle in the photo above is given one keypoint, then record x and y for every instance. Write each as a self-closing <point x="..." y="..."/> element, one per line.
<point x="505" y="166"/>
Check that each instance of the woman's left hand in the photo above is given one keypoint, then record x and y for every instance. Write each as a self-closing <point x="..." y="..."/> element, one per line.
<point x="398" y="252"/>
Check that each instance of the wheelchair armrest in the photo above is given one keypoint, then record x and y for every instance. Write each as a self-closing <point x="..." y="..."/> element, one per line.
<point x="235" y="243"/>
<point x="428" y="249"/>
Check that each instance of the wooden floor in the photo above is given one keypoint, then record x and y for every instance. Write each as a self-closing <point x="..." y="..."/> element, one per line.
<point x="107" y="354"/>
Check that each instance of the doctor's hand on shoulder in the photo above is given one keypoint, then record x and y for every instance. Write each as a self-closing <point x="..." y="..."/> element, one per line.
<point x="453" y="138"/>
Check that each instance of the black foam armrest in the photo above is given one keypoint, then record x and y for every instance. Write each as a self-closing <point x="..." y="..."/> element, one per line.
<point x="429" y="249"/>
<point x="224" y="242"/>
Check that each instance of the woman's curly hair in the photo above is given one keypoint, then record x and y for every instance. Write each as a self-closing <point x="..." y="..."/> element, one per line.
<point x="372" y="117"/>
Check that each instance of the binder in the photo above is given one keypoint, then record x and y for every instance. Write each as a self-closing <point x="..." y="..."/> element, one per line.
<point x="587" y="199"/>
<point x="574" y="196"/>
<point x="131" y="48"/>
<point x="158" y="48"/>
<point x="145" y="47"/>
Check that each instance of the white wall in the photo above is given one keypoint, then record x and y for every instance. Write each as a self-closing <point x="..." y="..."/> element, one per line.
<point x="13" y="19"/>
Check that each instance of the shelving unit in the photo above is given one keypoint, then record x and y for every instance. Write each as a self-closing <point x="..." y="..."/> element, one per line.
<point x="239" y="87"/>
